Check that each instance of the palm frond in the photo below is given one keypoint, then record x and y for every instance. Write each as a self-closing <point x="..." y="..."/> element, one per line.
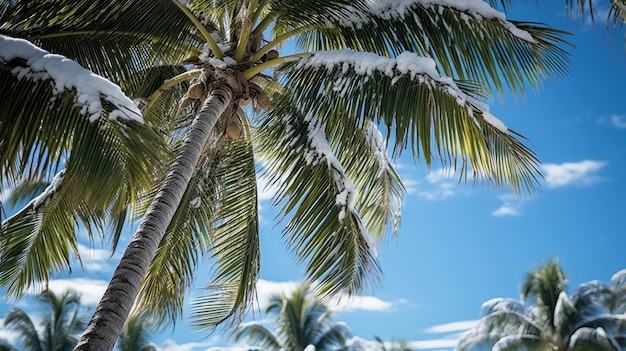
<point x="433" y="115"/>
<point x="325" y="227"/>
<point x="478" y="43"/>
<point x="592" y="339"/>
<point x="543" y="286"/>
<point x="363" y="152"/>
<point x="521" y="342"/>
<point x="258" y="335"/>
<point x="112" y="38"/>
<point x="21" y="322"/>
<point x="235" y="243"/>
<point x="189" y="234"/>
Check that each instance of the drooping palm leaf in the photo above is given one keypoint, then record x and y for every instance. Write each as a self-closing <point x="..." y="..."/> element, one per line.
<point x="69" y="108"/>
<point x="439" y="119"/>
<point x="478" y="43"/>
<point x="112" y="38"/>
<point x="235" y="249"/>
<point x="325" y="227"/>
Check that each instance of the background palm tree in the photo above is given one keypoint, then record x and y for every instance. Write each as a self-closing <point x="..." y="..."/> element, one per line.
<point x="555" y="321"/>
<point x="301" y="320"/>
<point x="136" y="335"/>
<point x="59" y="327"/>
<point x="314" y="119"/>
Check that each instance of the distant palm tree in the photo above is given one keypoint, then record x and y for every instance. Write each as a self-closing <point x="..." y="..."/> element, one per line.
<point x="301" y="321"/>
<point x="556" y="321"/>
<point x="135" y="335"/>
<point x="393" y="345"/>
<point x="59" y="329"/>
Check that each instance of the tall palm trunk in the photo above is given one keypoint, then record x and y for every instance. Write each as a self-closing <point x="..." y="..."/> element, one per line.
<point x="117" y="301"/>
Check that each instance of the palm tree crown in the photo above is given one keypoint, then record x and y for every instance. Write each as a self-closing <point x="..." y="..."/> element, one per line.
<point x="218" y="100"/>
<point x="586" y="320"/>
<point x="59" y="328"/>
<point x="301" y="321"/>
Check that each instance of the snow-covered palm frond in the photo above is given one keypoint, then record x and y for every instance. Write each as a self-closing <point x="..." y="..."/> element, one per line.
<point x="500" y="304"/>
<point x="522" y="343"/>
<point x="258" y="335"/>
<point x="478" y="42"/>
<point x="437" y="118"/>
<point x="566" y="316"/>
<point x="592" y="339"/>
<point x="235" y="246"/>
<point x="115" y="39"/>
<point x="325" y="227"/>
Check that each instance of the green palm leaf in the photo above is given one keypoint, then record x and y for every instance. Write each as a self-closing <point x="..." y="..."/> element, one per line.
<point x="235" y="240"/>
<point x="110" y="147"/>
<point x="112" y="38"/>
<point x="440" y="119"/>
<point x="478" y="43"/>
<point x="325" y="227"/>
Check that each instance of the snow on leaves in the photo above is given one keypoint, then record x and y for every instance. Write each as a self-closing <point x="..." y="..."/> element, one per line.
<point x="66" y="75"/>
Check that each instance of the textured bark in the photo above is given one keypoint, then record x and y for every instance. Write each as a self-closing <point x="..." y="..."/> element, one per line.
<point x="117" y="301"/>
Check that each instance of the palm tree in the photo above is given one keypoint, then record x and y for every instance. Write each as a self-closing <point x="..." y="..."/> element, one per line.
<point x="556" y="321"/>
<point x="59" y="329"/>
<point x="314" y="121"/>
<point x="301" y="321"/>
<point x="135" y="335"/>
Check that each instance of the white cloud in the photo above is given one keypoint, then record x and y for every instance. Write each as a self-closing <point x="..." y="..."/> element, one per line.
<point x="433" y="344"/>
<point x="506" y="210"/>
<point x="617" y="121"/>
<point x="171" y="345"/>
<point x="511" y="206"/>
<point x="8" y="335"/>
<point x="91" y="290"/>
<point x="440" y="185"/>
<point x="364" y="303"/>
<point x="265" y="189"/>
<point x="265" y="289"/>
<point x="573" y="173"/>
<point x="95" y="260"/>
<point x="452" y="327"/>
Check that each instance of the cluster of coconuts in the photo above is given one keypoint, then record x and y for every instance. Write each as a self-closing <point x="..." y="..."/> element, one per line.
<point x="197" y="90"/>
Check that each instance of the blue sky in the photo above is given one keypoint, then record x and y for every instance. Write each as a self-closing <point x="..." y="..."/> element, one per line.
<point x="460" y="245"/>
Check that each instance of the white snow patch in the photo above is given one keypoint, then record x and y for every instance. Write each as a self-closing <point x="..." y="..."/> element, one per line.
<point x="67" y="75"/>
<point x="48" y="192"/>
<point x="423" y="70"/>
<point x="400" y="9"/>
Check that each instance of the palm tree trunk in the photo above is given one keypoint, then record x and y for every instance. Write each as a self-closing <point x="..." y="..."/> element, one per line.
<point x="117" y="301"/>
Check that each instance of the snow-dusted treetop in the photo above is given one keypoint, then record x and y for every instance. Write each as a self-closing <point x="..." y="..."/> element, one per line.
<point x="421" y="69"/>
<point x="67" y="75"/>
<point x="398" y="9"/>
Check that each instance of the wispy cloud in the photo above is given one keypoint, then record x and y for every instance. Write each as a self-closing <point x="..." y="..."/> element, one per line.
<point x="572" y="173"/>
<point x="91" y="290"/>
<point x="439" y="184"/>
<point x="171" y="345"/>
<point x="561" y="175"/>
<point x="511" y="206"/>
<point x="95" y="260"/>
<point x="8" y="335"/>
<point x="616" y="121"/>
<point x="452" y="327"/>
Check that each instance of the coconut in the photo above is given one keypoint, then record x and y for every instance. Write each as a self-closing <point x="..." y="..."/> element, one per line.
<point x="196" y="91"/>
<point x="262" y="101"/>
<point x="185" y="102"/>
<point x="233" y="130"/>
<point x="244" y="101"/>
<point x="272" y="54"/>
